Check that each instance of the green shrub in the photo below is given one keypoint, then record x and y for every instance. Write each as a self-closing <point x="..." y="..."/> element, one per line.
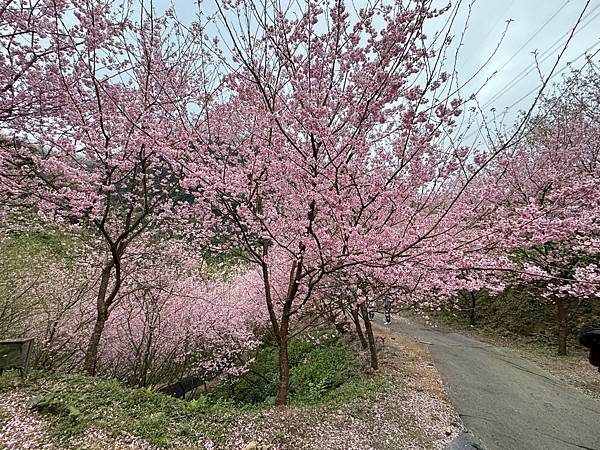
<point x="324" y="369"/>
<point x="318" y="374"/>
<point x="10" y="379"/>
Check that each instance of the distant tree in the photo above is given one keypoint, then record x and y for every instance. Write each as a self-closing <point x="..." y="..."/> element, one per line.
<point x="549" y="197"/>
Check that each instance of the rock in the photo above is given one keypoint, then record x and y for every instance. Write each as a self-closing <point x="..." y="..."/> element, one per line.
<point x="465" y="441"/>
<point x="254" y="446"/>
<point x="180" y="388"/>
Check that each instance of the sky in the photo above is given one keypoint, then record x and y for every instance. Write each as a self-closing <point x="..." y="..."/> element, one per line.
<point x="535" y="25"/>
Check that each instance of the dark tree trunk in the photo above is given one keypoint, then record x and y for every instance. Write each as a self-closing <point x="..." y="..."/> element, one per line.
<point x="231" y="388"/>
<point x="284" y="374"/>
<point x="281" y="328"/>
<point x="146" y="362"/>
<point x="370" y="337"/>
<point x="91" y="353"/>
<point x="282" y="343"/>
<point x="472" y="310"/>
<point x="361" y="336"/>
<point x="562" y="315"/>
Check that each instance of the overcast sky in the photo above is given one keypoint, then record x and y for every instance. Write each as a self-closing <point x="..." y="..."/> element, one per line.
<point x="536" y="25"/>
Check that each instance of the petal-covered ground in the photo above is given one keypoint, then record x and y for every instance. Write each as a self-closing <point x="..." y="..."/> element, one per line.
<point x="412" y="411"/>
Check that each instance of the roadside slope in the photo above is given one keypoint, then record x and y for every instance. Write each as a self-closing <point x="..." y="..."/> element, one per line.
<point x="404" y="407"/>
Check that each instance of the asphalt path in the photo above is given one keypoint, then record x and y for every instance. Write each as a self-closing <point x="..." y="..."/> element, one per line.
<point x="506" y="401"/>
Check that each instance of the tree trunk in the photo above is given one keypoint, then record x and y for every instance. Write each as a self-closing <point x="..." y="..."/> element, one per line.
<point x="91" y="353"/>
<point x="472" y="311"/>
<point x="563" y="325"/>
<point x="361" y="336"/>
<point x="146" y="360"/>
<point x="284" y="373"/>
<point x="281" y="329"/>
<point x="370" y="337"/>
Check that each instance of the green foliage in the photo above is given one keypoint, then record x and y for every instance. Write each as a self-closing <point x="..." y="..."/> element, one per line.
<point x="75" y="403"/>
<point x="323" y="370"/>
<point x="34" y="243"/>
<point x="522" y="312"/>
<point x="10" y="380"/>
<point x="222" y="264"/>
<point x="326" y="373"/>
<point x="54" y="404"/>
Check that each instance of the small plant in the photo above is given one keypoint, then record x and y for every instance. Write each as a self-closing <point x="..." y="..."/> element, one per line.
<point x="197" y="403"/>
<point x="279" y="438"/>
<point x="67" y="415"/>
<point x="9" y="380"/>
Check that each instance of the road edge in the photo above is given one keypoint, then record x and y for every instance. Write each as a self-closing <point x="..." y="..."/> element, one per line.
<point x="466" y="440"/>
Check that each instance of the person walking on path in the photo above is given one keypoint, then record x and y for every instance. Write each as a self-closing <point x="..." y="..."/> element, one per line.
<point x="387" y="309"/>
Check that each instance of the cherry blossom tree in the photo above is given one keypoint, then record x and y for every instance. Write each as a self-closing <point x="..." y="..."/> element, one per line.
<point x="355" y="293"/>
<point x="327" y="159"/>
<point x="29" y="38"/>
<point x="548" y="198"/>
<point x="332" y="150"/>
<point x="100" y="159"/>
<point x="175" y="321"/>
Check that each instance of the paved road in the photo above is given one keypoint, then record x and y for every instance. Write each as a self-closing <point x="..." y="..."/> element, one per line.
<point x="508" y="402"/>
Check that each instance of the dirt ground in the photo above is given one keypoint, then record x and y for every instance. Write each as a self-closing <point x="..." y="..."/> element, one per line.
<point x="413" y="412"/>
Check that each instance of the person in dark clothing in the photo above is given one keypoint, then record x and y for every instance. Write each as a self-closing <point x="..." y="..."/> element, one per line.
<point x="371" y="309"/>
<point x="595" y="357"/>
<point x="387" y="309"/>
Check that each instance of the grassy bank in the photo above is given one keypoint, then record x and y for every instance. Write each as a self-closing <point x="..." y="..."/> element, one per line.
<point x="335" y="403"/>
<point x="323" y="375"/>
<point x="519" y="315"/>
<point x="327" y="372"/>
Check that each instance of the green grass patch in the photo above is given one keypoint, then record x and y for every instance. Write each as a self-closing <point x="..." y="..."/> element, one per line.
<point x="329" y="372"/>
<point x="520" y="314"/>
<point x="75" y="403"/>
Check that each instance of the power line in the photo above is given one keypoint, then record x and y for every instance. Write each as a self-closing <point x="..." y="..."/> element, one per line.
<point x="556" y="74"/>
<point x="478" y="131"/>
<point x="553" y="75"/>
<point x="535" y="34"/>
<point x="528" y="69"/>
